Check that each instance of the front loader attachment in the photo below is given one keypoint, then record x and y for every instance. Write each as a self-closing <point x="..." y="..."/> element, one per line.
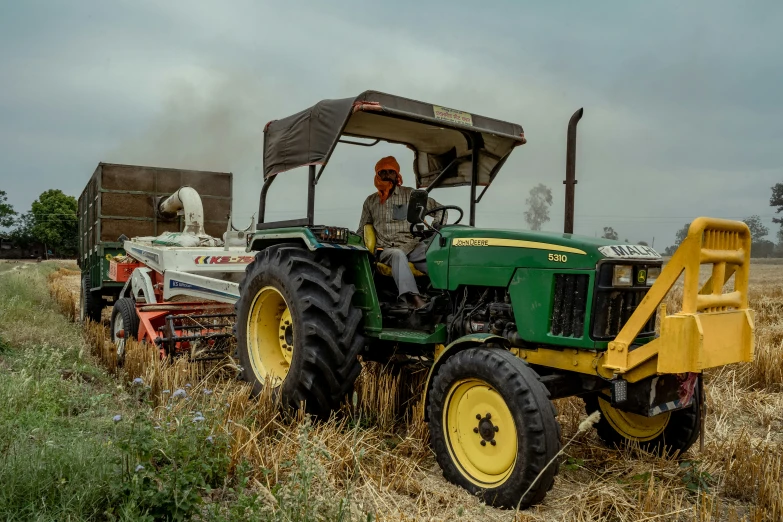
<point x="714" y="327"/>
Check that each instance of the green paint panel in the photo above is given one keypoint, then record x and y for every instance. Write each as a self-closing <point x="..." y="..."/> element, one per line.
<point x="532" y="292"/>
<point x="365" y="297"/>
<point x="475" y="261"/>
<point x="438" y="264"/>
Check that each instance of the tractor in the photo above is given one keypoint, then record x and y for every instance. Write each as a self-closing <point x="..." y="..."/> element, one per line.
<point x="516" y="319"/>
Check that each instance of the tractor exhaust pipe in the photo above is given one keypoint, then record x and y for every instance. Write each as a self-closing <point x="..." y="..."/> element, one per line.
<point x="570" y="180"/>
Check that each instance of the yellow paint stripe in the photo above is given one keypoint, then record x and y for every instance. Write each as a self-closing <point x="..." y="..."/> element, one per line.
<point x="514" y="243"/>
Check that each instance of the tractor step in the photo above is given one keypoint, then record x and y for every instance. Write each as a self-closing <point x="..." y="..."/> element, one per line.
<point x="412" y="336"/>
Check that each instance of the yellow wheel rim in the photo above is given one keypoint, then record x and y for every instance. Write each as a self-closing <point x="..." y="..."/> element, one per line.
<point x="480" y="432"/>
<point x="631" y="426"/>
<point x="270" y="335"/>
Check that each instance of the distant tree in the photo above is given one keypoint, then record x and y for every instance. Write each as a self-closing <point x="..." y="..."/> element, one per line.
<point x="7" y="213"/>
<point x="538" y="204"/>
<point x="643" y="243"/>
<point x="757" y="229"/>
<point x="22" y="233"/>
<point x="609" y="233"/>
<point x="779" y="247"/>
<point x="54" y="221"/>
<point x="777" y="201"/>
<point x="678" y="239"/>
<point x="762" y="248"/>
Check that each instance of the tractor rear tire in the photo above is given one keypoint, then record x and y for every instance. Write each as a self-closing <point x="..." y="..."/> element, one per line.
<point x="90" y="303"/>
<point x="493" y="427"/>
<point x="297" y="327"/>
<point x="665" y="434"/>
<point x="123" y="318"/>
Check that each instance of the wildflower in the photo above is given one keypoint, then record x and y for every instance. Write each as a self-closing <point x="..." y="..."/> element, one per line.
<point x="180" y="393"/>
<point x="117" y="418"/>
<point x="199" y="414"/>
<point x="210" y="439"/>
<point x="198" y="418"/>
<point x="138" y="381"/>
<point x="139" y="467"/>
<point x="158" y="428"/>
<point x="188" y="385"/>
<point x="166" y="391"/>
<point x="207" y="392"/>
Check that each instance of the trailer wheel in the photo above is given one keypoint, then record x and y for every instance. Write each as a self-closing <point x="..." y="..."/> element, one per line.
<point x="124" y="325"/>
<point x="90" y="303"/>
<point x="493" y="428"/>
<point x="296" y="327"/>
<point x="665" y="434"/>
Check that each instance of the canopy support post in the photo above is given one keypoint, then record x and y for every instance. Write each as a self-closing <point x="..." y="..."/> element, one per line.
<point x="262" y="199"/>
<point x="311" y="195"/>
<point x="473" y="179"/>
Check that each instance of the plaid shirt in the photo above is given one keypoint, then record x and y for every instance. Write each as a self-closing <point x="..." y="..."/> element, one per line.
<point x="389" y="220"/>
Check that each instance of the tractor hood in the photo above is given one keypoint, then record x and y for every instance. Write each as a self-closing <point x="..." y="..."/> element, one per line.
<point x="541" y="249"/>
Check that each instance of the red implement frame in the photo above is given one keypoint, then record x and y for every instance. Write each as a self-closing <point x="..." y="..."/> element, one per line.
<point x="173" y="326"/>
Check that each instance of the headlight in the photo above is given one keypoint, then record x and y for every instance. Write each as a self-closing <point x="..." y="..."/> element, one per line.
<point x="622" y="276"/>
<point x="652" y="275"/>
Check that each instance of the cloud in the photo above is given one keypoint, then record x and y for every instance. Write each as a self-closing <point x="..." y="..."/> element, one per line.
<point x="682" y="105"/>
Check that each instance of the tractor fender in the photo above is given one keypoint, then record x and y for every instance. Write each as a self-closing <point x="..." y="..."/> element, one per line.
<point x="302" y="237"/>
<point x="463" y="343"/>
<point x="267" y="240"/>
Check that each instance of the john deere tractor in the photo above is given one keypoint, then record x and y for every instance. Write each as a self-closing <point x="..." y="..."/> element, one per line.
<point x="516" y="318"/>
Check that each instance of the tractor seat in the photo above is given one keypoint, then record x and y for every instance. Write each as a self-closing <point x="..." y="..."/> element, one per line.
<point x="383" y="269"/>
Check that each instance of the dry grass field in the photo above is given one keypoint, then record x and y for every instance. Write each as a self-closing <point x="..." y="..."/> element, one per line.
<point x="372" y="462"/>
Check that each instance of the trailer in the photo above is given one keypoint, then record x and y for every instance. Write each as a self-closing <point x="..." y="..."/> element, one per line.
<point x="124" y="200"/>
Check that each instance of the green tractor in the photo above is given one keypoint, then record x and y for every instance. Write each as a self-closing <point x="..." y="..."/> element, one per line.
<point x="516" y="318"/>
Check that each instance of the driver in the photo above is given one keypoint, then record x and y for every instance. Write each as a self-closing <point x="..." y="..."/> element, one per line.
<point x="386" y="210"/>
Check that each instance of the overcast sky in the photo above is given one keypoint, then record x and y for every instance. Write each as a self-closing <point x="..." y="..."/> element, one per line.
<point x="683" y="100"/>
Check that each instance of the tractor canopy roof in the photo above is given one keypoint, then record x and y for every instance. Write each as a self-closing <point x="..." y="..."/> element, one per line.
<point x="441" y="138"/>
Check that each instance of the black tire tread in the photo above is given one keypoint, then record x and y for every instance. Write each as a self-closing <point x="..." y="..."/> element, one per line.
<point x="678" y="436"/>
<point x="537" y="428"/>
<point x="91" y="302"/>
<point x="130" y="319"/>
<point x="327" y="336"/>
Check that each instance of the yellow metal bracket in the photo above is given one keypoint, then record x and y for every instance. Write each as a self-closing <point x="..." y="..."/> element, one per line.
<point x="714" y="328"/>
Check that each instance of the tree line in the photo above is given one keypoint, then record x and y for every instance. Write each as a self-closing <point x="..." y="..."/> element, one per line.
<point x="52" y="221"/>
<point x="540" y="199"/>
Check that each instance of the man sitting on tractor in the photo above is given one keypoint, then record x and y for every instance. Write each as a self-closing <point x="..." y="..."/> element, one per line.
<point x="386" y="210"/>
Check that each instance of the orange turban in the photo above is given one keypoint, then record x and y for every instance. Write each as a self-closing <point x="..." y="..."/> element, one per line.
<point x="385" y="187"/>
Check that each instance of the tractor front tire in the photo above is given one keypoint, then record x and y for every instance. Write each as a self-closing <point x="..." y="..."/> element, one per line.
<point x="124" y="325"/>
<point x="665" y="434"/>
<point x="493" y="427"/>
<point x="90" y="303"/>
<point x="297" y="328"/>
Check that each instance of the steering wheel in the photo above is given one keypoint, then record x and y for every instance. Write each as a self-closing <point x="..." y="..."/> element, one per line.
<point x="442" y="209"/>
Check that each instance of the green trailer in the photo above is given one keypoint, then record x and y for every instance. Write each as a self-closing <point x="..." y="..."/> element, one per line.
<point x="122" y="200"/>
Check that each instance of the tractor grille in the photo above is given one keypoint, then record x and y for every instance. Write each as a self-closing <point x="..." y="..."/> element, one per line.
<point x="570" y="303"/>
<point x="612" y="310"/>
<point x="613" y="306"/>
